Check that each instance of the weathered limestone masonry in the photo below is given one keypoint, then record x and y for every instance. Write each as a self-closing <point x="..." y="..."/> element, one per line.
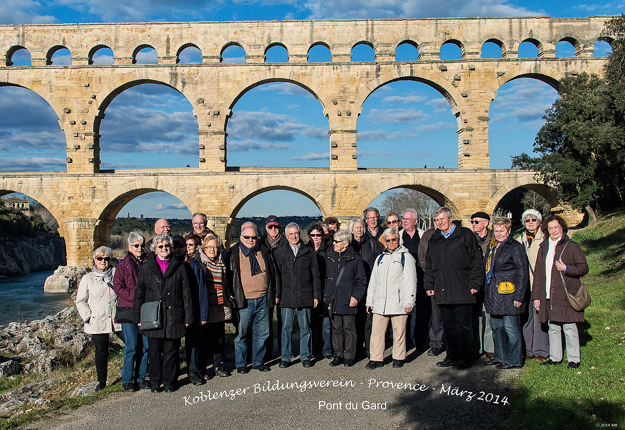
<point x="86" y="200"/>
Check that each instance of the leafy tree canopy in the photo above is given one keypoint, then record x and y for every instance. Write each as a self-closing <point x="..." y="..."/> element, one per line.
<point x="581" y="147"/>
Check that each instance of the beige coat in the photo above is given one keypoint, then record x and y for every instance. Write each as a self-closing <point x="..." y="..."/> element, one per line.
<point x="96" y="302"/>
<point x="531" y="250"/>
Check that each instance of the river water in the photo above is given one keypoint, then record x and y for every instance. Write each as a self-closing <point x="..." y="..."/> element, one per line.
<point x="22" y="298"/>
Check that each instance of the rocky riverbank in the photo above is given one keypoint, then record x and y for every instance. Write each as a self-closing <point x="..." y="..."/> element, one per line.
<point x="22" y="255"/>
<point x="39" y="347"/>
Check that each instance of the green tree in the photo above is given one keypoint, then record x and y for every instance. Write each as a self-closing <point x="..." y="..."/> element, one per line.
<point x="581" y="147"/>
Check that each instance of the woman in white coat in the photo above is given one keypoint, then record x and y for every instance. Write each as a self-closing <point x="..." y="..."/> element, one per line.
<point x="391" y="296"/>
<point x="96" y="302"/>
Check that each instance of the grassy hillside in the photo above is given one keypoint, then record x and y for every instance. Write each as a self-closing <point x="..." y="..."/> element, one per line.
<point x="592" y="396"/>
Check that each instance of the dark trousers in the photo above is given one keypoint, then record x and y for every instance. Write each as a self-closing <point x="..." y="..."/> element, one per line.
<point x="458" y="329"/>
<point x="436" y="327"/>
<point x="101" y="342"/>
<point x="192" y="342"/>
<point x="422" y="314"/>
<point x="269" y="355"/>
<point x="344" y="336"/>
<point x="363" y="323"/>
<point x="163" y="361"/>
<point x="213" y="341"/>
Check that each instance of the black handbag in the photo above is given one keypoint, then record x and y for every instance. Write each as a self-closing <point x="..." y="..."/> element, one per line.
<point x="151" y="315"/>
<point x="124" y="315"/>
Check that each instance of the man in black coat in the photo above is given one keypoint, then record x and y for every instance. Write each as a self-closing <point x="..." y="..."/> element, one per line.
<point x="454" y="274"/>
<point x="299" y="290"/>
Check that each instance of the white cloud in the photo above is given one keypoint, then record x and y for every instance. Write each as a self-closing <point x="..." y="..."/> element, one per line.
<point x="270" y="127"/>
<point x="250" y="145"/>
<point x="28" y="164"/>
<point x="159" y="207"/>
<point x="413" y="8"/>
<point x="435" y="126"/>
<point x="400" y="116"/>
<point x="404" y="99"/>
<point x="312" y="156"/>
<point x="286" y="88"/>
<point x="23" y="12"/>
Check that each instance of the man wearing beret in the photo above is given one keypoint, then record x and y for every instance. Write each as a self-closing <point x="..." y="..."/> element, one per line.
<point x="482" y="333"/>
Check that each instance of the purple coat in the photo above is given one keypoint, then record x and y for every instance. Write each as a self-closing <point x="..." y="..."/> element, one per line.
<point x="125" y="281"/>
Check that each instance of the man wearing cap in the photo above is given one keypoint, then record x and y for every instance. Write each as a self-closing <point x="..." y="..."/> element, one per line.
<point x="482" y="333"/>
<point x="273" y="240"/>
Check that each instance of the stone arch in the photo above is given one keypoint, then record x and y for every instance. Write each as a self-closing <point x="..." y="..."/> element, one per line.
<point x="229" y="45"/>
<point x="110" y="96"/>
<point x="104" y="213"/>
<point x="53" y="51"/>
<point x="139" y="49"/>
<point x="12" y="50"/>
<point x="185" y="46"/>
<point x="432" y="79"/>
<point x="455" y="42"/>
<point x="525" y="181"/>
<point x="573" y="41"/>
<point x="409" y="42"/>
<point x="441" y="194"/>
<point x="599" y="41"/>
<point x="320" y="44"/>
<point x="236" y="93"/>
<point x="245" y="195"/>
<point x="277" y="45"/>
<point x="46" y="199"/>
<point x="534" y="42"/>
<point x="497" y="42"/>
<point x="363" y="43"/>
<point x="96" y="49"/>
<point x="549" y="77"/>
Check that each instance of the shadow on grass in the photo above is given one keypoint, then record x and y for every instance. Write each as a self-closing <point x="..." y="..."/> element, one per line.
<point x="612" y="244"/>
<point x="562" y="413"/>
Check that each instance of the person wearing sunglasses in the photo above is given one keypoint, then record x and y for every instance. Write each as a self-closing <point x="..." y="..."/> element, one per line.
<point x="535" y="334"/>
<point x="251" y="273"/>
<point x="135" y="362"/>
<point x="482" y="333"/>
<point x="391" y="297"/>
<point x="273" y="240"/>
<point x="96" y="302"/>
<point x="321" y="328"/>
<point x="164" y="278"/>
<point x="345" y="286"/>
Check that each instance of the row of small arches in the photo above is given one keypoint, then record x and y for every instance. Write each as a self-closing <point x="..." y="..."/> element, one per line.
<point x="278" y="53"/>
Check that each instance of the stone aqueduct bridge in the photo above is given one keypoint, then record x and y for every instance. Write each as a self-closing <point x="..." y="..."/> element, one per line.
<point x="85" y="200"/>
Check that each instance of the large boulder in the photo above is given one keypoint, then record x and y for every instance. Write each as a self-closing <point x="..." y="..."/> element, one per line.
<point x="30" y="394"/>
<point x="65" y="279"/>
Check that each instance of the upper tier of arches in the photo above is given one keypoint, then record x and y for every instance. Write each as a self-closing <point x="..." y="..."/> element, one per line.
<point x="298" y="37"/>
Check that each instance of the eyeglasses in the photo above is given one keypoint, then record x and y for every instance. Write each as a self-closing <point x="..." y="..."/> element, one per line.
<point x="137" y="245"/>
<point x="198" y="223"/>
<point x="391" y="240"/>
<point x="103" y="258"/>
<point x="393" y="221"/>
<point x="250" y="237"/>
<point x="271" y="227"/>
<point x="372" y="217"/>
<point x="165" y="245"/>
<point x="474" y="221"/>
<point x="338" y="241"/>
<point x="315" y="235"/>
<point x="531" y="220"/>
<point x="211" y="247"/>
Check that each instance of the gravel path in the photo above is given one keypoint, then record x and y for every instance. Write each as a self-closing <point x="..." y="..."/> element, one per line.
<point x="419" y="395"/>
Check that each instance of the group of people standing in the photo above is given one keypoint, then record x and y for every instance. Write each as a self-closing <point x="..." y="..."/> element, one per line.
<point x="446" y="289"/>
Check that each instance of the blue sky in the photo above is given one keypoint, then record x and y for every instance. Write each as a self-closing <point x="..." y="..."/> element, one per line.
<point x="274" y="124"/>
